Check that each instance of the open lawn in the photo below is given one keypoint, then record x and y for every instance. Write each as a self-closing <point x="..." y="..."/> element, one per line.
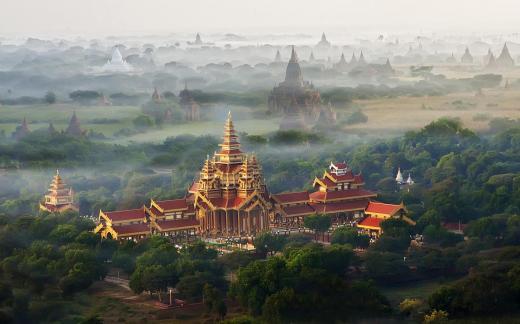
<point x="396" y="115"/>
<point x="110" y="119"/>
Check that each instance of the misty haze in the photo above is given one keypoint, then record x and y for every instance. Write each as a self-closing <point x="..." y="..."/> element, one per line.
<point x="259" y="162"/>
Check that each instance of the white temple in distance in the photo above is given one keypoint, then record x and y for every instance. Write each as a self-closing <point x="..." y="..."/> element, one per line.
<point x="116" y="63"/>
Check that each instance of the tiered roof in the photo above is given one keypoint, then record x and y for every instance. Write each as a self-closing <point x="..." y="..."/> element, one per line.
<point x="59" y="197"/>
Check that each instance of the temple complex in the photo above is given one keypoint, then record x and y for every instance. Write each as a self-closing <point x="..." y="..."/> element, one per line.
<point x="188" y="104"/>
<point x="21" y="131"/>
<point x="59" y="198"/>
<point x="74" y="128"/>
<point x="229" y="199"/>
<point x="467" y="58"/>
<point x="338" y="193"/>
<point x="294" y="96"/>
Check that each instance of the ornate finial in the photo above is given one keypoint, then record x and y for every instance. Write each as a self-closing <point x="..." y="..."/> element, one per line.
<point x="57" y="172"/>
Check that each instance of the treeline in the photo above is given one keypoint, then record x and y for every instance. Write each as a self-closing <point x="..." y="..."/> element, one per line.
<point x="434" y="85"/>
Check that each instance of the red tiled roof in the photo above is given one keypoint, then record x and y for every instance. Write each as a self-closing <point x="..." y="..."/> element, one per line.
<point x="341" y="194"/>
<point x="371" y="221"/>
<point x="132" y="229"/>
<point x="342" y="178"/>
<point x="382" y="208"/>
<point x="174" y="204"/>
<point x="358" y="178"/>
<point x="177" y="223"/>
<point x="340" y="165"/>
<point x="122" y="215"/>
<point x="227" y="202"/>
<point x="356" y="205"/>
<point x="327" y="182"/>
<point x="155" y="211"/>
<point x="298" y="210"/>
<point x="291" y="197"/>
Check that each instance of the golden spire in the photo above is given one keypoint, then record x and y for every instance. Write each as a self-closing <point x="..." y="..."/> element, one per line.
<point x="230" y="146"/>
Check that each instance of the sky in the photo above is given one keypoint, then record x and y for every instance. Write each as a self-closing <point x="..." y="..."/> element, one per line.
<point x="122" y="17"/>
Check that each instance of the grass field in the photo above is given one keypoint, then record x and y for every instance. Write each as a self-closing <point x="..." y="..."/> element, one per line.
<point x="397" y="115"/>
<point x="386" y="116"/>
<point x="119" y="117"/>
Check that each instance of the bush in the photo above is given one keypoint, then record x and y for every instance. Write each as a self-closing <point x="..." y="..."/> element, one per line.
<point x="357" y="117"/>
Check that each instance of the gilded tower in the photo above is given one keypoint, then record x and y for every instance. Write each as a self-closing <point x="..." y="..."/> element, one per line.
<point x="231" y="198"/>
<point x="59" y="197"/>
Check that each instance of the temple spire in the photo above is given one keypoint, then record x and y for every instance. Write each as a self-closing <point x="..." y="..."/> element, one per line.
<point x="230" y="147"/>
<point x="294" y="57"/>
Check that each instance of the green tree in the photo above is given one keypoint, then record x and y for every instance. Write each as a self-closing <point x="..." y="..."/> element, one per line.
<point x="318" y="223"/>
<point x="50" y="97"/>
<point x="350" y="235"/>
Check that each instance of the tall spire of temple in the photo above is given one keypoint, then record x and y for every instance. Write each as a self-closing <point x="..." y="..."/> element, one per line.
<point x="278" y="56"/>
<point x="230" y="147"/>
<point x="74" y="128"/>
<point x="294" y="57"/>
<point x="293" y="74"/>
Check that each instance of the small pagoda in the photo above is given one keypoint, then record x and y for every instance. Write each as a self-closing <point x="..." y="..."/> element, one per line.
<point x="190" y="107"/>
<point x="342" y="64"/>
<point x="74" y="128"/>
<point x="60" y="198"/>
<point x="21" y="131"/>
<point x="156" y="96"/>
<point x="467" y="58"/>
<point x="505" y="60"/>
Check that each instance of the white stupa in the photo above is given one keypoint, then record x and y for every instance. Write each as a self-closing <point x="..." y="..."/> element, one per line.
<point x="409" y="181"/>
<point x="399" y="177"/>
<point x="116" y="63"/>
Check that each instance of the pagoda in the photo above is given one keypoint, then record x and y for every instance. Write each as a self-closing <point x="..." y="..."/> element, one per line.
<point x="467" y="58"/>
<point x="505" y="60"/>
<point x="198" y="40"/>
<point x="323" y="43"/>
<point x="74" y="128"/>
<point x="353" y="61"/>
<point x="59" y="198"/>
<point x="21" y="131"/>
<point x="116" y="63"/>
<point x="278" y="56"/>
<point x="231" y="199"/>
<point x="294" y="96"/>
<point x="156" y="96"/>
<point x="188" y="104"/>
<point x="492" y="63"/>
<point x="342" y="64"/>
<point x="311" y="57"/>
